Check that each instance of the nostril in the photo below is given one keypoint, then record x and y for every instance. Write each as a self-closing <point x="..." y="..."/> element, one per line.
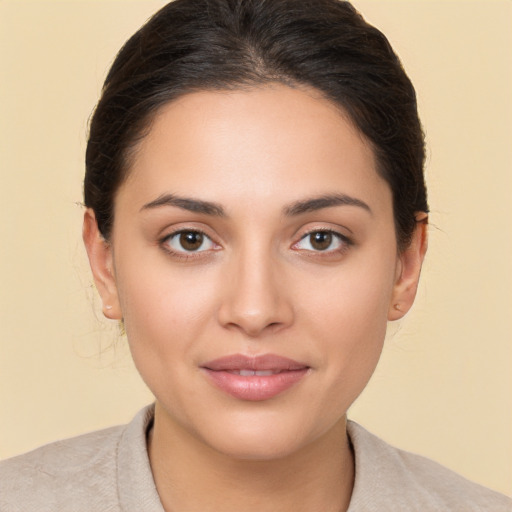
<point x="253" y="302"/>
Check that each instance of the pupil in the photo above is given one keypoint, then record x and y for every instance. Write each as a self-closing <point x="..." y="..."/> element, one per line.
<point x="191" y="241"/>
<point x="321" y="240"/>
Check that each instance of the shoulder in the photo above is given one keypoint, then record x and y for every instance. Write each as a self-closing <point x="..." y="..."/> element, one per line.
<point x="80" y="469"/>
<point x="107" y="470"/>
<point x="391" y="479"/>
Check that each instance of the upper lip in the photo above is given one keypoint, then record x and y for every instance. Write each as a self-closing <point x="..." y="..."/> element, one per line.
<point x="255" y="363"/>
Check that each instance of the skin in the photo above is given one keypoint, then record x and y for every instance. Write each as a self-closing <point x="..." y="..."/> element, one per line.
<point x="260" y="286"/>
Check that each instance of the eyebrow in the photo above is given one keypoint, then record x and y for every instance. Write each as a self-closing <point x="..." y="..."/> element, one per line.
<point x="185" y="203"/>
<point x="297" y="208"/>
<point x="325" y="201"/>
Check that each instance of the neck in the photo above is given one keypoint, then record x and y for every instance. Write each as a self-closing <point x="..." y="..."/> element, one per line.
<point x="191" y="476"/>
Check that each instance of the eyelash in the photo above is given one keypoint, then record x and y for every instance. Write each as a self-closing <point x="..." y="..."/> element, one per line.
<point x="184" y="254"/>
<point x="344" y="241"/>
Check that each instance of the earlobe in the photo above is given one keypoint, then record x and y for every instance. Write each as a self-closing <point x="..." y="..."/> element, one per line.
<point x="99" y="252"/>
<point x="408" y="270"/>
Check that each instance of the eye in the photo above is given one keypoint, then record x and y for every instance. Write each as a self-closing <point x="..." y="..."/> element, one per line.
<point x="188" y="241"/>
<point x="322" y="241"/>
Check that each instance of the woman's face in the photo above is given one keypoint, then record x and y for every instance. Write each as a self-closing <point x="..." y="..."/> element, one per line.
<point x="253" y="233"/>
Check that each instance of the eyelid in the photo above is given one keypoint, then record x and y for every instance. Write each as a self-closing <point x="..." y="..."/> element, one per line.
<point x="341" y="231"/>
<point x="172" y="229"/>
<point x="345" y="240"/>
<point x="163" y="242"/>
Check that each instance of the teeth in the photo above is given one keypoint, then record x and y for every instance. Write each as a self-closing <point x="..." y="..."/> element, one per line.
<point x="259" y="373"/>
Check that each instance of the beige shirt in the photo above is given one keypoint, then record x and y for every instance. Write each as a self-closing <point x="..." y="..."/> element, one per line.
<point x="109" y="471"/>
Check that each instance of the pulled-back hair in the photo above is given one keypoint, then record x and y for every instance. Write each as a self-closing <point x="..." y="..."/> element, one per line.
<point x="194" y="45"/>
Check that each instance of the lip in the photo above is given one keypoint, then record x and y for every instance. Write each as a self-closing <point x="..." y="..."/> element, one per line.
<point x="280" y="374"/>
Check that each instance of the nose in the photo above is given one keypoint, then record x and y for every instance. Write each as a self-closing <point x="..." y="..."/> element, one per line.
<point x="255" y="298"/>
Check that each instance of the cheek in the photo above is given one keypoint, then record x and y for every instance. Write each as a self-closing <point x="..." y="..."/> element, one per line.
<point x="347" y="315"/>
<point x="353" y="299"/>
<point x="164" y="308"/>
<point x="166" y="313"/>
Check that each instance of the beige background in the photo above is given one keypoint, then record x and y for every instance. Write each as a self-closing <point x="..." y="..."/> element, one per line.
<point x="444" y="385"/>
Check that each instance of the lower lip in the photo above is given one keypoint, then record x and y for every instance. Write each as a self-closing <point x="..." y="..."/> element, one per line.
<point x="255" y="387"/>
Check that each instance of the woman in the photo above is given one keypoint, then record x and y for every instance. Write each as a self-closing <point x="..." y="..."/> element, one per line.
<point x="256" y="214"/>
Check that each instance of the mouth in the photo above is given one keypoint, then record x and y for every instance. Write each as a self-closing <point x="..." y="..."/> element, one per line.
<point x="250" y="373"/>
<point x="254" y="378"/>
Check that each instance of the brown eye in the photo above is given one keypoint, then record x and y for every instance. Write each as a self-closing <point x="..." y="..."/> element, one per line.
<point x="321" y="240"/>
<point x="191" y="240"/>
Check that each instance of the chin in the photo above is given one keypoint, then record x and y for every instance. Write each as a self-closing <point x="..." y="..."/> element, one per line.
<point x="266" y="438"/>
<point x="257" y="448"/>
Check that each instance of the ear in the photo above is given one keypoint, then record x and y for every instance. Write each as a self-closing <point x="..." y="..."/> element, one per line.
<point x="99" y="252"/>
<point x="408" y="270"/>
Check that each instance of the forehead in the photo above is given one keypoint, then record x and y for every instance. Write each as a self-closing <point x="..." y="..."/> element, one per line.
<point x="273" y="141"/>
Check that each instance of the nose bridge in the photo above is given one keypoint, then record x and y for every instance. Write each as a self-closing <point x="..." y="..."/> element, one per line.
<point x="255" y="296"/>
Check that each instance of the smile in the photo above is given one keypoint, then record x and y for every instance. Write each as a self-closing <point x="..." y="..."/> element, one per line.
<point x="254" y="378"/>
<point x="260" y="373"/>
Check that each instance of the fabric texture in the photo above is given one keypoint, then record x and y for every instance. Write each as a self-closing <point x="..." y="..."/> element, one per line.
<point x="109" y="471"/>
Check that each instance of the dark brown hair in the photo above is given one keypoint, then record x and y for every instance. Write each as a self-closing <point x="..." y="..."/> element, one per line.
<point x="192" y="45"/>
